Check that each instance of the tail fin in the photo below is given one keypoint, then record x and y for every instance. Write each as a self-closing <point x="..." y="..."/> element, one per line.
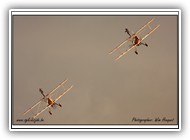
<point x="127" y="31"/>
<point x="41" y="91"/>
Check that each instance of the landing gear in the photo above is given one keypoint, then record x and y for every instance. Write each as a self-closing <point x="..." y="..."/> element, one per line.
<point x="50" y="113"/>
<point x="60" y="105"/>
<point x="146" y="44"/>
<point x="53" y="106"/>
<point x="136" y="52"/>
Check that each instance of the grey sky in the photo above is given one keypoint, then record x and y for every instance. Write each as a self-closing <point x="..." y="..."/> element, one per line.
<point x="49" y="49"/>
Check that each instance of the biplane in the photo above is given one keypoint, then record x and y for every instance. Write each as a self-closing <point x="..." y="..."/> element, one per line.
<point x="135" y="39"/>
<point x="50" y="103"/>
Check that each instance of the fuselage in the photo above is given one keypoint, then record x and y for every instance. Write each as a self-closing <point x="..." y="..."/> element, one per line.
<point x="50" y="102"/>
<point x="136" y="41"/>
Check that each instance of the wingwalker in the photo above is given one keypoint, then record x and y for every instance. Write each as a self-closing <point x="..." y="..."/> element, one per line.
<point x="48" y="99"/>
<point x="135" y="39"/>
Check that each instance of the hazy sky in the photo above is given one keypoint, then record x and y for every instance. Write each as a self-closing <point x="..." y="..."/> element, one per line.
<point x="49" y="49"/>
